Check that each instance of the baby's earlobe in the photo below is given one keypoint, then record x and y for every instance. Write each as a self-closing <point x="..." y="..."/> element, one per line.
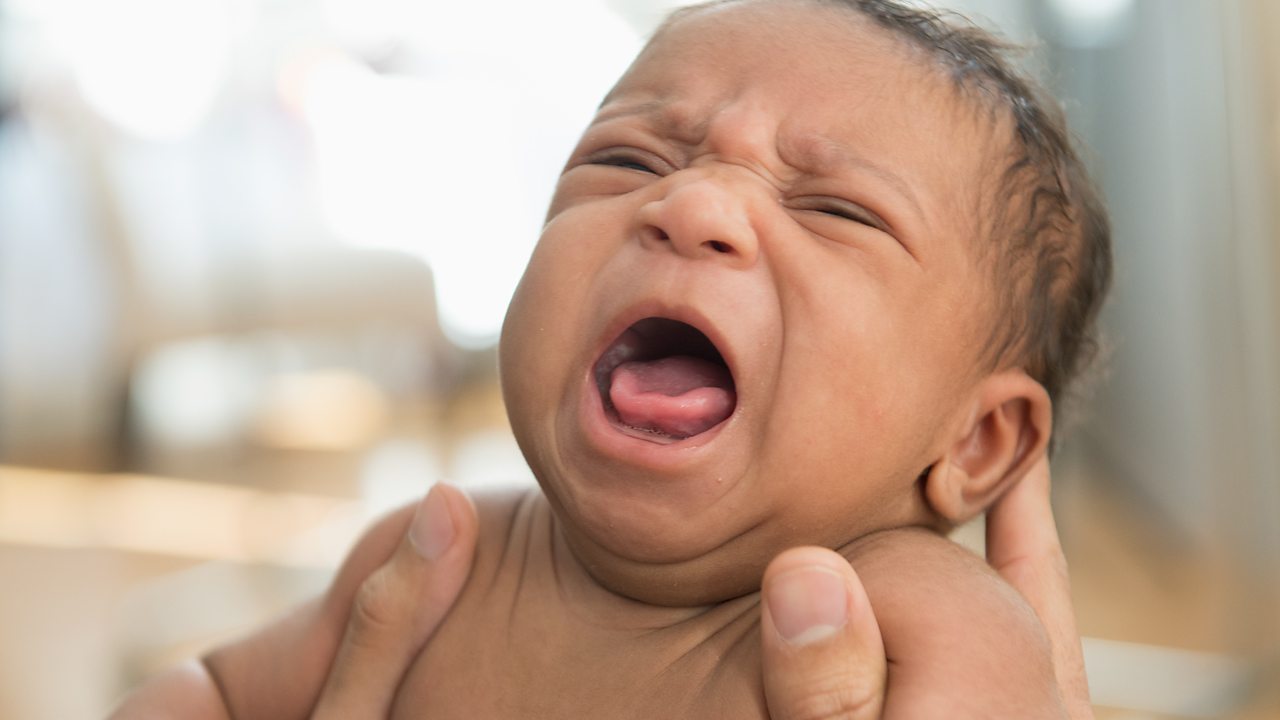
<point x="945" y="487"/>
<point x="1012" y="422"/>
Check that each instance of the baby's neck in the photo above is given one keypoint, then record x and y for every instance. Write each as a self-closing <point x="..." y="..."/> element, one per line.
<point x="730" y="571"/>
<point x="542" y="638"/>
<point x="596" y="599"/>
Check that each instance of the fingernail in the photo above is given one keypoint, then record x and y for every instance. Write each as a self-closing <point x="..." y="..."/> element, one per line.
<point x="431" y="532"/>
<point x="808" y="604"/>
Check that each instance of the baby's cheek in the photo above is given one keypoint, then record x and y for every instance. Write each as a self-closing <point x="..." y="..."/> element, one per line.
<point x="531" y="334"/>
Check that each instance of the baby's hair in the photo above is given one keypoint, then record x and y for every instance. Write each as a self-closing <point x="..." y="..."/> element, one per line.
<point x="1055" y="238"/>
<point x="1051" y="238"/>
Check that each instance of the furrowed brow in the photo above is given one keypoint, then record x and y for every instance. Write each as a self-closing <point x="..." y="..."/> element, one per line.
<point x="830" y="157"/>
<point x="661" y="114"/>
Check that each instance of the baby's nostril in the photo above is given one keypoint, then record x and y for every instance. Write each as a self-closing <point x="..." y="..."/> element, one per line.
<point x="719" y="246"/>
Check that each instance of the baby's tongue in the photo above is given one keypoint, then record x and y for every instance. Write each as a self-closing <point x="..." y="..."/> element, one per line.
<point x="679" y="396"/>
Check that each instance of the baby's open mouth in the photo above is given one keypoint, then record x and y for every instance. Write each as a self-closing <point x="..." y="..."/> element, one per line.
<point x="666" y="379"/>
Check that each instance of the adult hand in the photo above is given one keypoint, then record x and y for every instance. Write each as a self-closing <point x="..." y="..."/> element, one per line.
<point x="277" y="671"/>
<point x="1023" y="546"/>
<point x="400" y="605"/>
<point x="823" y="655"/>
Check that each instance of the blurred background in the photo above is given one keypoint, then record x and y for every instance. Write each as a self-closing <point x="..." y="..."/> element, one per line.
<point x="254" y="255"/>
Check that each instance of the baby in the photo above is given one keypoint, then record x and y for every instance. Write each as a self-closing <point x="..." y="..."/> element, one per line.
<point x="812" y="276"/>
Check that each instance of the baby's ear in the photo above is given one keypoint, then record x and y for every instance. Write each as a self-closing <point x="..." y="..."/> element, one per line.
<point x="1006" y="431"/>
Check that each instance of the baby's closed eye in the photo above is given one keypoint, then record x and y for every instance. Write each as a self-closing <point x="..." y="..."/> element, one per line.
<point x="840" y="208"/>
<point x="629" y="159"/>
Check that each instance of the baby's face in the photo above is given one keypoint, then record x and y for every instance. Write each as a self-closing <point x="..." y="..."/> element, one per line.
<point x="752" y="317"/>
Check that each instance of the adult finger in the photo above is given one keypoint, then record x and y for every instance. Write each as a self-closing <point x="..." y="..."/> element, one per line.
<point x="1023" y="546"/>
<point x="823" y="655"/>
<point x="400" y="605"/>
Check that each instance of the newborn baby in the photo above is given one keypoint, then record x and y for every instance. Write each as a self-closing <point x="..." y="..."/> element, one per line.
<point x="812" y="276"/>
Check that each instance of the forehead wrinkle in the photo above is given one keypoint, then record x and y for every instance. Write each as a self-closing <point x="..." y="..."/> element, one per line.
<point x="823" y="155"/>
<point x="665" y="116"/>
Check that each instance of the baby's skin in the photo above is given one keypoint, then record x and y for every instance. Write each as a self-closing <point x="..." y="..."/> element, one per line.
<point x="534" y="636"/>
<point x="755" y="319"/>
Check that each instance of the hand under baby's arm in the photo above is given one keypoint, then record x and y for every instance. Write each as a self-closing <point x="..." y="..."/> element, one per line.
<point x="841" y="675"/>
<point x="960" y="642"/>
<point x="343" y="654"/>
<point x="837" y="676"/>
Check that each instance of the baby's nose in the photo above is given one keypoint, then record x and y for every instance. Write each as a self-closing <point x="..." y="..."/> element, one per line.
<point x="702" y="217"/>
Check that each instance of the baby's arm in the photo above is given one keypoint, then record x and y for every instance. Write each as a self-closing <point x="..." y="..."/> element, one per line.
<point x="388" y="594"/>
<point x="278" y="671"/>
<point x="960" y="642"/>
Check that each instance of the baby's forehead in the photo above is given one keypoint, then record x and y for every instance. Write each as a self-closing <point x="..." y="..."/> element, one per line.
<point x="775" y="26"/>
<point x="799" y="41"/>
<point x="832" y="86"/>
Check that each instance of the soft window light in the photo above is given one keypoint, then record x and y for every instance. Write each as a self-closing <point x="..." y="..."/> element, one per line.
<point x="455" y="160"/>
<point x="152" y="67"/>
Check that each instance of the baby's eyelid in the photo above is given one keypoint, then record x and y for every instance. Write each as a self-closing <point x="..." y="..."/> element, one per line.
<point x="633" y="158"/>
<point x="838" y="207"/>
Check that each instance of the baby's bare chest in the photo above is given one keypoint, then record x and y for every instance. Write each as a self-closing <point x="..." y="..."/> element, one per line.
<point x="514" y="647"/>
<point x="497" y="681"/>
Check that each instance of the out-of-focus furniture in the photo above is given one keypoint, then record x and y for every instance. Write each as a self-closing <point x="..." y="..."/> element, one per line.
<point x="130" y="203"/>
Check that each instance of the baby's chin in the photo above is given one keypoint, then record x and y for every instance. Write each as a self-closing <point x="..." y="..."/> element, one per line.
<point x="693" y="565"/>
<point x="654" y="554"/>
<point x="705" y="579"/>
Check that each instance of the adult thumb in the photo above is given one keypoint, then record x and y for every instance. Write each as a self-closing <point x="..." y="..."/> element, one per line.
<point x="823" y="656"/>
<point x="399" y="606"/>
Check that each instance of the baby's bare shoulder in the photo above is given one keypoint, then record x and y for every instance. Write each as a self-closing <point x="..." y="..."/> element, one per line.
<point x="503" y="515"/>
<point x="905" y="559"/>
<point x="921" y="583"/>
<point x="277" y="671"/>
<point x="498" y="509"/>
<point x="959" y="639"/>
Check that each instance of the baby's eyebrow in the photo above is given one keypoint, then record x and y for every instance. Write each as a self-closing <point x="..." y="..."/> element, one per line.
<point x="826" y="156"/>
<point x="809" y="153"/>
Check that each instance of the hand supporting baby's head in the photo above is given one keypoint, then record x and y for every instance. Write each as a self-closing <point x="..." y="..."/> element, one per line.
<point x="816" y="269"/>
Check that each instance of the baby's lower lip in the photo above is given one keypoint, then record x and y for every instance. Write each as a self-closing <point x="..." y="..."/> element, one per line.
<point x="653" y="436"/>
<point x="663" y="381"/>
